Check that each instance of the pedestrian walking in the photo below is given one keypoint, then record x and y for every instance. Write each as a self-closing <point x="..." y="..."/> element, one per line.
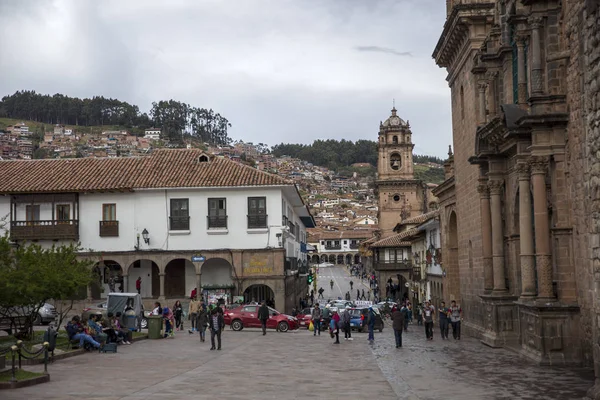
<point x="326" y="315"/>
<point x="193" y="314"/>
<point x="321" y="290"/>
<point x="346" y="324"/>
<point x="351" y="284"/>
<point x="455" y="318"/>
<point x="216" y="325"/>
<point x="368" y="295"/>
<point x="169" y="319"/>
<point x="316" y="320"/>
<point x="404" y="310"/>
<point x="398" y="326"/>
<point x="371" y="323"/>
<point x="138" y="284"/>
<point x="111" y="284"/>
<point x="202" y="322"/>
<point x="331" y="284"/>
<point x="444" y="319"/>
<point x="428" y="312"/>
<point x="357" y="294"/>
<point x="363" y="295"/>
<point x="335" y="327"/>
<point x="263" y="316"/>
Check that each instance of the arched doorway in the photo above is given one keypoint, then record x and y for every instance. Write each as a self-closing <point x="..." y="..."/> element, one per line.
<point x="149" y="273"/>
<point x="332" y="259"/>
<point x="216" y="280"/>
<point x="314" y="259"/>
<point x="348" y="259"/>
<point x="109" y="277"/>
<point x="452" y="269"/>
<point x="340" y="259"/>
<point x="323" y="258"/>
<point x="357" y="259"/>
<point x="180" y="278"/>
<point x="259" y="293"/>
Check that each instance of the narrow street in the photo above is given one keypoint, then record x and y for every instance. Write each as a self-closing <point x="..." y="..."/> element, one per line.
<point x="341" y="283"/>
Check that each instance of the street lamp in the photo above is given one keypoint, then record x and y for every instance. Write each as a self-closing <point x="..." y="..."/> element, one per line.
<point x="145" y="236"/>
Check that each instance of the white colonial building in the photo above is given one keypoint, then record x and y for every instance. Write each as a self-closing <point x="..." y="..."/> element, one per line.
<point x="152" y="134"/>
<point x="178" y="219"/>
<point x="338" y="247"/>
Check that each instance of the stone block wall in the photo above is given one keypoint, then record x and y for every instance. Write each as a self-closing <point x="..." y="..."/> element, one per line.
<point x="581" y="36"/>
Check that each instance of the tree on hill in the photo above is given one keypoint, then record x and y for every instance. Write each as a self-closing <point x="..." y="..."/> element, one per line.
<point x="175" y="118"/>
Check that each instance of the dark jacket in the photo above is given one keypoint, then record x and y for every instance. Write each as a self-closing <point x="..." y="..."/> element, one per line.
<point x="202" y="318"/>
<point x="263" y="312"/>
<point x="73" y="329"/>
<point x="398" y="320"/>
<point x="220" y="323"/>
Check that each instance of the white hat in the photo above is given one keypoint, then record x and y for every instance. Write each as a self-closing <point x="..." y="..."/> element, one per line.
<point x="327" y="306"/>
<point x="347" y="307"/>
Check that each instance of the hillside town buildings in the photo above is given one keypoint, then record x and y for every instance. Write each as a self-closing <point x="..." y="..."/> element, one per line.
<point x="519" y="207"/>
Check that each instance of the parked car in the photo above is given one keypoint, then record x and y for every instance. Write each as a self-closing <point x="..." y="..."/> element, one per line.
<point x="246" y="316"/>
<point x="358" y="319"/>
<point x="46" y="314"/>
<point x="305" y="316"/>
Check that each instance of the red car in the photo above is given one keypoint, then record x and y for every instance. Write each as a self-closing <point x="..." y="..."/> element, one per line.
<point x="305" y="316"/>
<point x="246" y="316"/>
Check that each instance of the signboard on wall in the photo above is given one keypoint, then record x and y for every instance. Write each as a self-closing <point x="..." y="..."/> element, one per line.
<point x="258" y="265"/>
<point x="198" y="258"/>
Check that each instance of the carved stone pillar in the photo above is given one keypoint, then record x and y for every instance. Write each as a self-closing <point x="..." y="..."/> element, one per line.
<point x="521" y="72"/>
<point x="486" y="237"/>
<point x="526" y="234"/>
<point x="492" y="82"/>
<point x="495" y="187"/>
<point x="543" y="253"/>
<point x="199" y="285"/>
<point x="482" y="104"/>
<point x="126" y="283"/>
<point x="536" y="56"/>
<point x="162" y="285"/>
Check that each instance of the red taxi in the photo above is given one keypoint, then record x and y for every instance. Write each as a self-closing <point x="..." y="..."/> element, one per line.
<point x="246" y="316"/>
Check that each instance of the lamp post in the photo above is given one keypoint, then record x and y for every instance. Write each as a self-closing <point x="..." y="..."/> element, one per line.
<point x="145" y="236"/>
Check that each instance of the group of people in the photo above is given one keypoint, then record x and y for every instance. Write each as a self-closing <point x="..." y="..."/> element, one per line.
<point x="327" y="318"/>
<point x="98" y="331"/>
<point x="448" y="316"/>
<point x="201" y="317"/>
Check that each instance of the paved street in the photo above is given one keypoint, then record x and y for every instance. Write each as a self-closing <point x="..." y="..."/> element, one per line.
<point x="296" y="365"/>
<point x="341" y="283"/>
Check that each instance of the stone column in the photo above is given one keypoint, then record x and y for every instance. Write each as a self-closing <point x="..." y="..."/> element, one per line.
<point x="126" y="284"/>
<point x="521" y="72"/>
<point x="486" y="236"/>
<point x="495" y="187"/>
<point x="543" y="253"/>
<point x="198" y="285"/>
<point x="481" y="115"/>
<point x="89" y="293"/>
<point x="536" y="56"/>
<point x="526" y="234"/>
<point x="162" y="286"/>
<point x="492" y="81"/>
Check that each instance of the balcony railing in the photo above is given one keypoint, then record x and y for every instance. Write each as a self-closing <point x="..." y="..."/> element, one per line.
<point x="389" y="265"/>
<point x="354" y="245"/>
<point x="333" y="247"/>
<point x="217" y="221"/>
<point x="292" y="227"/>
<point x="45" y="230"/>
<point x="179" y="223"/>
<point x="109" y="228"/>
<point x="257" y="221"/>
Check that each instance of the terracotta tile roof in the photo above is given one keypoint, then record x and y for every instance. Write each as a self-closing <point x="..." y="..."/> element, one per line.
<point x="168" y="168"/>
<point x="419" y="219"/>
<point x="398" y="240"/>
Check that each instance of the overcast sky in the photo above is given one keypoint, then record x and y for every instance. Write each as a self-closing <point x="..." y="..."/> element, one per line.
<point x="279" y="70"/>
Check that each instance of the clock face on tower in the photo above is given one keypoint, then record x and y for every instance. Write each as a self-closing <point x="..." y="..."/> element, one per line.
<point x="395" y="121"/>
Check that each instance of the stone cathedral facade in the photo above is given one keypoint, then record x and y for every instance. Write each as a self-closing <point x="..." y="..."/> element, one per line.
<point x="520" y="208"/>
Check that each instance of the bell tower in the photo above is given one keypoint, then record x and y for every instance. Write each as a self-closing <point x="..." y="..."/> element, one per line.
<point x="401" y="196"/>
<point x="395" y="149"/>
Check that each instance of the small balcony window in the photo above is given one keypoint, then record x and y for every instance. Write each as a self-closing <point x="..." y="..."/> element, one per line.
<point x="180" y="216"/>
<point x="217" y="214"/>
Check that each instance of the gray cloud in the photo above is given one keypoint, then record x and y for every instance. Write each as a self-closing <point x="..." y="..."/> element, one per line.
<point x="279" y="70"/>
<point x="379" y="49"/>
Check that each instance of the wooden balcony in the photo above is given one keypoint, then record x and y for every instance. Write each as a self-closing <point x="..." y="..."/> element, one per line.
<point x="257" y="221"/>
<point x="109" y="228"/>
<point x="393" y="266"/>
<point x="44" y="230"/>
<point x="216" y="221"/>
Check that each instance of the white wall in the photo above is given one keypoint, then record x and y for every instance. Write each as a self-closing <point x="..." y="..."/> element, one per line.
<point x="150" y="210"/>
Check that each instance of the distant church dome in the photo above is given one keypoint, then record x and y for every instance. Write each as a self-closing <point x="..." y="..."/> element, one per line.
<point x="394" y="120"/>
